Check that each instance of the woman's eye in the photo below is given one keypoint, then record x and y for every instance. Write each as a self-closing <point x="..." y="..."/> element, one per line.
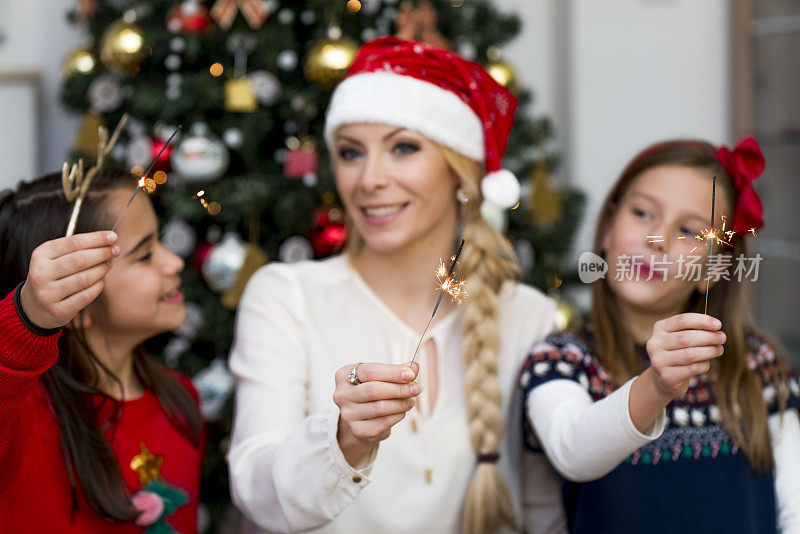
<point x="640" y="213"/>
<point x="348" y="154"/>
<point x="404" y="148"/>
<point x="146" y="257"/>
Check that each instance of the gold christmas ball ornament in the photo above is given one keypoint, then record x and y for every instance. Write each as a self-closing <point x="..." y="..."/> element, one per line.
<point x="329" y="59"/>
<point x="122" y="47"/>
<point x="79" y="60"/>
<point x="566" y="316"/>
<point x="502" y="72"/>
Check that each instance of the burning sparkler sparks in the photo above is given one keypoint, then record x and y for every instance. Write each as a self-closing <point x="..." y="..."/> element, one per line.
<point x="447" y="284"/>
<point x="143" y="183"/>
<point x="455" y="288"/>
<point x="213" y="207"/>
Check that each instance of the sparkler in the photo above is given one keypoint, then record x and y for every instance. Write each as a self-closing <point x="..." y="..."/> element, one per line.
<point x="141" y="183"/>
<point x="448" y="285"/>
<point x="710" y="237"/>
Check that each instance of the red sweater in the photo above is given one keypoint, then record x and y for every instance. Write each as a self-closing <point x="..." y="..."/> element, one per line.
<point x="35" y="493"/>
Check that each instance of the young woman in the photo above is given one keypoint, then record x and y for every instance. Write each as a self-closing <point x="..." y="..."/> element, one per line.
<point x="324" y="442"/>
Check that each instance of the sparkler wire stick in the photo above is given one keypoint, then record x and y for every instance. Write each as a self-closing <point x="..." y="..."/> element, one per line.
<point x="146" y="173"/>
<point x="438" y="300"/>
<point x="711" y="241"/>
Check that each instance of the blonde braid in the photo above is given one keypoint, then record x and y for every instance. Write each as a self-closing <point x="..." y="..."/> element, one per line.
<point x="486" y="263"/>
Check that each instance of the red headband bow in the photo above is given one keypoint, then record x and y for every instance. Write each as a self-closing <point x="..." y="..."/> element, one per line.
<point x="743" y="165"/>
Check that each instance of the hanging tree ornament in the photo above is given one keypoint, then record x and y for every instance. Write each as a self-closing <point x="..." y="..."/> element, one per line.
<point x="200" y="156"/>
<point x="233" y="137"/>
<point x="122" y="47"/>
<point x="79" y="60"/>
<point x="546" y="203"/>
<point x="105" y="94"/>
<point x="302" y="158"/>
<point x="239" y="95"/>
<point x="499" y="69"/>
<point x="329" y="234"/>
<point x="190" y="17"/>
<point x="328" y="59"/>
<point x="256" y="12"/>
<point x="287" y="60"/>
<point x="295" y="248"/>
<point x="179" y="237"/>
<point x="266" y="86"/>
<point x="87" y="139"/>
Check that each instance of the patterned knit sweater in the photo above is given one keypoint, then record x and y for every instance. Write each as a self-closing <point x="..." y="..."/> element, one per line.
<point x="692" y="478"/>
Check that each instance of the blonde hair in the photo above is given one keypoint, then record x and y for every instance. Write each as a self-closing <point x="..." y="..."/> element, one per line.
<point x="486" y="262"/>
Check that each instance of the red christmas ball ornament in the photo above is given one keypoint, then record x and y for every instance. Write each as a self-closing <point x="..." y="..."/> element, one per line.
<point x="189" y="16"/>
<point x="163" y="162"/>
<point x="201" y="254"/>
<point x="329" y="234"/>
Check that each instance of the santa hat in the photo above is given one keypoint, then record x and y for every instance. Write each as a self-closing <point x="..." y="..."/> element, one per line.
<point x="437" y="93"/>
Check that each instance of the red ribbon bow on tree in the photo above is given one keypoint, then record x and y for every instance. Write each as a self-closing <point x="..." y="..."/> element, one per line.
<point x="743" y="165"/>
<point x="254" y="11"/>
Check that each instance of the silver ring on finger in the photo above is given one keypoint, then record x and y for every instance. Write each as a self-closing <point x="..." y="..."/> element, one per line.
<point x="353" y="378"/>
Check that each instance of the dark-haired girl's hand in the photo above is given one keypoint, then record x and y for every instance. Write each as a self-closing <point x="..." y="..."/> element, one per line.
<point x="681" y="347"/>
<point x="65" y="275"/>
<point x="369" y="410"/>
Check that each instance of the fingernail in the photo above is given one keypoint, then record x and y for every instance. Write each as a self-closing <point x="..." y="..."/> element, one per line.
<point x="111" y="237"/>
<point x="722" y="337"/>
<point x="416" y="389"/>
<point x="717" y="323"/>
<point x="408" y="374"/>
<point x="115" y="250"/>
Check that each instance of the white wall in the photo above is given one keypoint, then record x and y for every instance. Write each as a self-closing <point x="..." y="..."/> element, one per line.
<point x="641" y="71"/>
<point x="617" y="75"/>
<point x="36" y="37"/>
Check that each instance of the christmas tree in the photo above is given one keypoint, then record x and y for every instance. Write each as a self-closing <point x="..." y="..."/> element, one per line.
<point x="246" y="181"/>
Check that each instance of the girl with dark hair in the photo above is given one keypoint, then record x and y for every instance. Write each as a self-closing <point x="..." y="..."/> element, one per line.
<point x="93" y="435"/>
<point x="662" y="418"/>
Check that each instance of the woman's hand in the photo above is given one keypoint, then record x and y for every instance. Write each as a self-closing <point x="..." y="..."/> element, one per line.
<point x="369" y="410"/>
<point x="681" y="347"/>
<point x="65" y="275"/>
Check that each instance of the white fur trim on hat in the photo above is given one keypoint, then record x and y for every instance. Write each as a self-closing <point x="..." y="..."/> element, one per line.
<point x="399" y="100"/>
<point x="501" y="188"/>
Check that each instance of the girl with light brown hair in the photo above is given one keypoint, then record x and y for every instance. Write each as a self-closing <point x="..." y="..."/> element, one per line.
<point x="662" y="418"/>
<point x="322" y="442"/>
